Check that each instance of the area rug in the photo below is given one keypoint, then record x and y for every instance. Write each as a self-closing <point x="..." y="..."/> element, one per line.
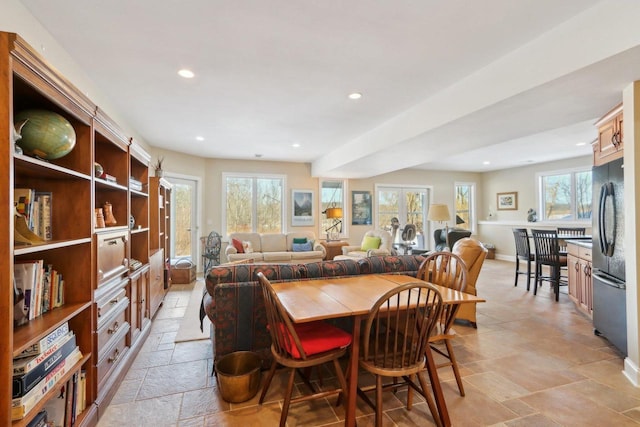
<point x="189" y="329"/>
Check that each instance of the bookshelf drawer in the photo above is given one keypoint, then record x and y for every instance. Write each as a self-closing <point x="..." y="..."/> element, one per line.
<point x="111" y="253"/>
<point x="108" y="303"/>
<point x="111" y="327"/>
<point x="114" y="353"/>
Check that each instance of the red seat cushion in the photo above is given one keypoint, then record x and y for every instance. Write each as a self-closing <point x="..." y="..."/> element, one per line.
<point x="317" y="337"/>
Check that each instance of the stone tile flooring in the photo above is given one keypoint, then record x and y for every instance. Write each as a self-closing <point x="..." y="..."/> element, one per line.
<point x="531" y="362"/>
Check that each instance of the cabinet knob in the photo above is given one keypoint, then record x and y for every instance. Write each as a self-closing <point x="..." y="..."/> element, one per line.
<point x="116" y="356"/>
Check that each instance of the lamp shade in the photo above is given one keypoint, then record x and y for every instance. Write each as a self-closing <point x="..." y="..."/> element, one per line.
<point x="334" y="212"/>
<point x="438" y="212"/>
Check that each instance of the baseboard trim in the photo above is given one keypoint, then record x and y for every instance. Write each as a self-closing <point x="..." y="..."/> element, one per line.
<point x="631" y="372"/>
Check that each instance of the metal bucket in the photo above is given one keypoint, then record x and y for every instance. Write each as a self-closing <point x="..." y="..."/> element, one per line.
<point x="238" y="376"/>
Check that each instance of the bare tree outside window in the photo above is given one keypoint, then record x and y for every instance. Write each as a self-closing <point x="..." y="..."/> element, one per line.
<point x="254" y="204"/>
<point x="566" y="196"/>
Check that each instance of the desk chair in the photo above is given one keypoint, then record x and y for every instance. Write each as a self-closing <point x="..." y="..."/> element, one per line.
<point x="399" y="351"/>
<point x="445" y="269"/>
<point x="548" y="254"/>
<point x="300" y="346"/>
<point x="523" y="252"/>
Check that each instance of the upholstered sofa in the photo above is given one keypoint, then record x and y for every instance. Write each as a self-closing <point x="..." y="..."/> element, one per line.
<point x="233" y="299"/>
<point x="367" y="247"/>
<point x="455" y="234"/>
<point x="275" y="247"/>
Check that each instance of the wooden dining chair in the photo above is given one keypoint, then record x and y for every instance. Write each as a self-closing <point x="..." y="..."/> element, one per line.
<point x="449" y="270"/>
<point x="523" y="253"/>
<point x="413" y="310"/>
<point x="300" y="346"/>
<point x="548" y="254"/>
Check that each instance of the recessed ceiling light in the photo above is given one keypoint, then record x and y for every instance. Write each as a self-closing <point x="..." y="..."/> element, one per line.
<point x="486" y="162"/>
<point x="355" y="95"/>
<point x="187" y="74"/>
<point x="199" y="138"/>
<point x="580" y="144"/>
<point x="296" y="145"/>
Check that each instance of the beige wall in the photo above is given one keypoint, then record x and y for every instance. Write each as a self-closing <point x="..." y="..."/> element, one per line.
<point x="523" y="180"/>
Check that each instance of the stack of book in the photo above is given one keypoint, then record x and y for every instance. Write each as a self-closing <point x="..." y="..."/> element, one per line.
<point x="39" y="369"/>
<point x="38" y="288"/>
<point x="134" y="184"/>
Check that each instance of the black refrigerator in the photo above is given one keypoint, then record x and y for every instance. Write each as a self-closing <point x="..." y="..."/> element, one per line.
<point x="608" y="272"/>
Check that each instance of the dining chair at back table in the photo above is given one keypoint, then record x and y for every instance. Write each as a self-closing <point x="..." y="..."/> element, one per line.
<point x="548" y="254"/>
<point x="523" y="253"/>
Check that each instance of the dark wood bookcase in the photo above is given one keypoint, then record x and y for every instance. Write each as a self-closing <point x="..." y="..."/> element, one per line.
<point x="106" y="300"/>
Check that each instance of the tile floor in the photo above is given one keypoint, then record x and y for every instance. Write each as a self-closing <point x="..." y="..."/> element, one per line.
<point x="531" y="362"/>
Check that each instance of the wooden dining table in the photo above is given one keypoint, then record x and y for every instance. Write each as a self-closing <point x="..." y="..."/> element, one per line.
<point x="353" y="296"/>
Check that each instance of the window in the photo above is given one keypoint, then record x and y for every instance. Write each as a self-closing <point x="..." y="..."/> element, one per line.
<point x="254" y="203"/>
<point x="465" y="205"/>
<point x="565" y="195"/>
<point x="333" y="193"/>
<point x="408" y="205"/>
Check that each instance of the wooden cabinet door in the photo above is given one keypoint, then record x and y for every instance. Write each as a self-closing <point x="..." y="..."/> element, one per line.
<point x="586" y="302"/>
<point x="573" y="268"/>
<point x="610" y="143"/>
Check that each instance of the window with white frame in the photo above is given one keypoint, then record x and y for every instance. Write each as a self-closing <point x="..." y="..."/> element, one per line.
<point x="333" y="193"/>
<point x="565" y="195"/>
<point x="465" y="205"/>
<point x="254" y="203"/>
<point x="406" y="204"/>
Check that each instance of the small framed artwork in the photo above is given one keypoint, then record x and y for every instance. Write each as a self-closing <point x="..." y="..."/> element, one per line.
<point x="302" y="208"/>
<point x="360" y="208"/>
<point x="508" y="201"/>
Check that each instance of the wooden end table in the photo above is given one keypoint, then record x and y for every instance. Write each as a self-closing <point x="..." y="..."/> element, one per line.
<point x="333" y="247"/>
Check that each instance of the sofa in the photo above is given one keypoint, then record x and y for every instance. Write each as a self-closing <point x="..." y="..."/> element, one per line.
<point x="233" y="299"/>
<point x="275" y="247"/>
<point x="384" y="247"/>
<point x="455" y="234"/>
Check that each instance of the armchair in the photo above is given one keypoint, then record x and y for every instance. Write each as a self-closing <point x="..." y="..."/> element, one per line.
<point x="473" y="253"/>
<point x="455" y="234"/>
<point x="363" y="250"/>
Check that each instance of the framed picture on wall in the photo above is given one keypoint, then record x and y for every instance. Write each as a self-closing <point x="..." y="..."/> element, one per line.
<point x="508" y="201"/>
<point x="360" y="208"/>
<point x="302" y="208"/>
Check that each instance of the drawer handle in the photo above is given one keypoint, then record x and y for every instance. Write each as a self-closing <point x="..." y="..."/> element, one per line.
<point x="114" y="301"/>
<point x="115" y="328"/>
<point x="116" y="356"/>
<point x="112" y="242"/>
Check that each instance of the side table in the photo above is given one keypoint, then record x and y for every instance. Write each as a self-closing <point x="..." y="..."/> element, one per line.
<point x="333" y="247"/>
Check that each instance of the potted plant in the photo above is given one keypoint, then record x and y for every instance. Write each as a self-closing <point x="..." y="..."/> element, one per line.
<point x="158" y="167"/>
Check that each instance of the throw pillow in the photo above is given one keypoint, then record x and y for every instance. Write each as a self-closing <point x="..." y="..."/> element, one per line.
<point x="299" y="240"/>
<point x="248" y="247"/>
<point x="302" y="247"/>
<point x="238" y="245"/>
<point x="371" y="242"/>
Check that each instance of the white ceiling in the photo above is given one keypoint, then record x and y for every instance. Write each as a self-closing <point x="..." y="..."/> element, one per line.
<point x="445" y="84"/>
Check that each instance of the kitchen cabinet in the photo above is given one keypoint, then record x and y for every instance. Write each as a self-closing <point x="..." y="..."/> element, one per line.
<point x="610" y="143"/>
<point x="579" y="276"/>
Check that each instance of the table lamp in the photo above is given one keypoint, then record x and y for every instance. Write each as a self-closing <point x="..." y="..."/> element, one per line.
<point x="440" y="213"/>
<point x="335" y="214"/>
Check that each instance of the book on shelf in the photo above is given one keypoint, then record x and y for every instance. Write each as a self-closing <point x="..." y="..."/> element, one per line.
<point x="28" y="364"/>
<point x="40" y="420"/>
<point x="45" y="343"/>
<point x="57" y="405"/>
<point x="26" y="277"/>
<point x="22" y="198"/>
<point x="42" y="221"/>
<point x="21" y="406"/>
<point x="109" y="178"/>
<point x="23" y="383"/>
<point x="82" y="393"/>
